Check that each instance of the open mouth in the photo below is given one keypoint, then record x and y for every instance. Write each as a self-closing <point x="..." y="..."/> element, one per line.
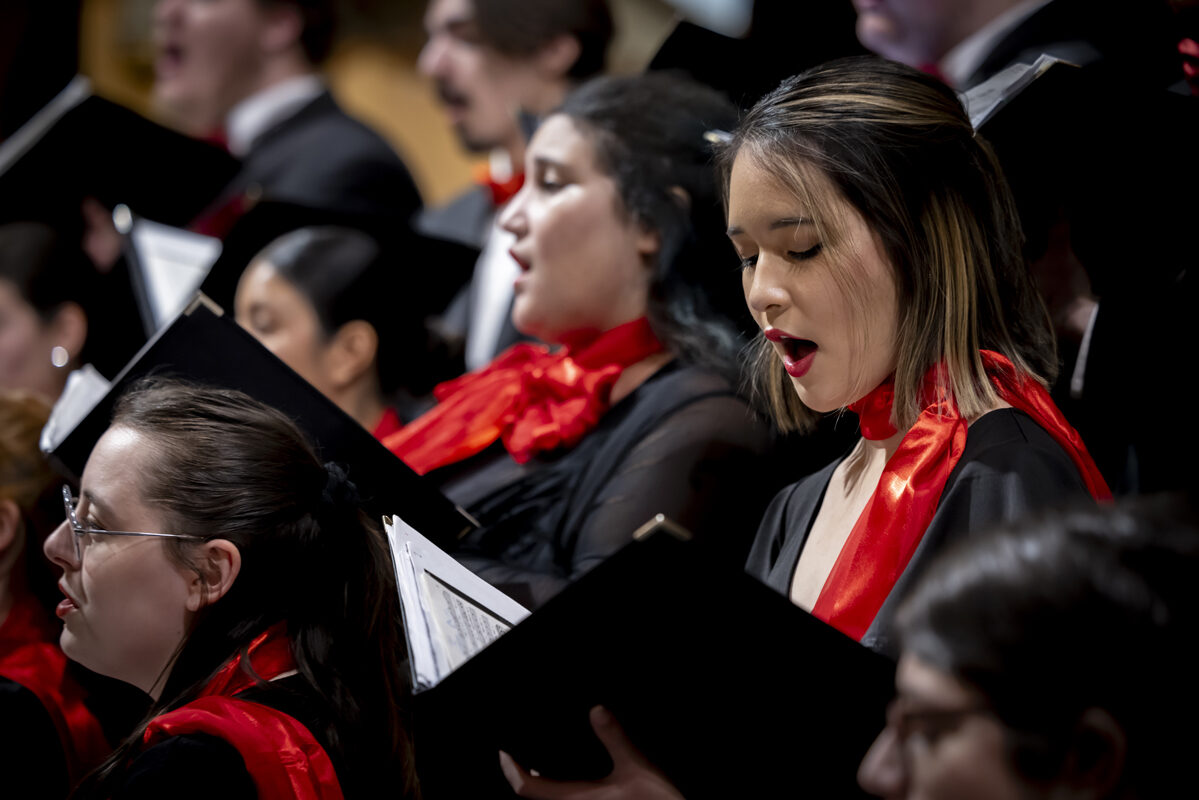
<point x="520" y="262"/>
<point x="797" y="352"/>
<point x="170" y="60"/>
<point x="451" y="97"/>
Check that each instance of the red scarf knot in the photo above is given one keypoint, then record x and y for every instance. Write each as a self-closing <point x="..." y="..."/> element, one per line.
<point x="890" y="528"/>
<point x="530" y="398"/>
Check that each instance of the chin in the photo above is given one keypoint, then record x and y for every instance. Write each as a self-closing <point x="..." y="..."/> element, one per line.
<point x="818" y="403"/>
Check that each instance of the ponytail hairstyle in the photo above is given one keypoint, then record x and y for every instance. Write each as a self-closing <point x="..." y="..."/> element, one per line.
<point x="897" y="146"/>
<point x="228" y="467"/>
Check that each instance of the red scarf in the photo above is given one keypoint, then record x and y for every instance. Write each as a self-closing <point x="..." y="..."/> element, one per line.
<point x="532" y="399"/>
<point x="283" y="758"/>
<point x="501" y="191"/>
<point x="30" y="656"/>
<point x="388" y="424"/>
<point x="901" y="508"/>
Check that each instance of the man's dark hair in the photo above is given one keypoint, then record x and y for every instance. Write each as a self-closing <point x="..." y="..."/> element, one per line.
<point x="521" y="27"/>
<point x="320" y="18"/>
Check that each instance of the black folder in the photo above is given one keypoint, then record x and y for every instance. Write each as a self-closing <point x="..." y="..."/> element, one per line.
<point x="97" y="148"/>
<point x="724" y="684"/>
<point x="204" y="346"/>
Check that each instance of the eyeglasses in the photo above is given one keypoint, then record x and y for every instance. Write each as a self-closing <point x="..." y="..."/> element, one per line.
<point x="928" y="723"/>
<point x="79" y="529"/>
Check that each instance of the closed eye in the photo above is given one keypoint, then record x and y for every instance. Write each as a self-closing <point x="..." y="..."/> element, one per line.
<point x="749" y="262"/>
<point x="804" y="255"/>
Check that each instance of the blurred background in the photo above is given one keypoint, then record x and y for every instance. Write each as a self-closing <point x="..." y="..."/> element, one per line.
<point x="372" y="70"/>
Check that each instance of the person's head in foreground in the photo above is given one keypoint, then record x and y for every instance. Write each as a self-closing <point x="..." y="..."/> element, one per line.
<point x="619" y="218"/>
<point x="232" y="529"/>
<point x="1048" y="661"/>
<point x="877" y="238"/>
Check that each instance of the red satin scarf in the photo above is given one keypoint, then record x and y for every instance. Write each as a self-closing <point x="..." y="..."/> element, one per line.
<point x="283" y="758"/>
<point x="894" y="520"/>
<point x="530" y="398"/>
<point x="30" y="656"/>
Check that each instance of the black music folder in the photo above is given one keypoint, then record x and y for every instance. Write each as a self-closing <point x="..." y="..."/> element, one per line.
<point x="203" y="345"/>
<point x="724" y="684"/>
<point x="83" y="145"/>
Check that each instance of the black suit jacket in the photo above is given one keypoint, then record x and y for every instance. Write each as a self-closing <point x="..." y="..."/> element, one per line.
<point x="1134" y="39"/>
<point x="322" y="158"/>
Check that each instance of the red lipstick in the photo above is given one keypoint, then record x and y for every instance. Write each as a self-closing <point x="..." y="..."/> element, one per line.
<point x="797" y="352"/>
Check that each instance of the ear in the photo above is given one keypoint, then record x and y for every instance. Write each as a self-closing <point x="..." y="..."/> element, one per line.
<point x="557" y="56"/>
<point x="282" y="26"/>
<point x="352" y="352"/>
<point x="10" y="530"/>
<point x="218" y="563"/>
<point x="1094" y="765"/>
<point x="68" y="328"/>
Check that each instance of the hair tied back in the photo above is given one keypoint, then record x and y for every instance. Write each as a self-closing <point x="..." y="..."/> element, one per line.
<point x="340" y="495"/>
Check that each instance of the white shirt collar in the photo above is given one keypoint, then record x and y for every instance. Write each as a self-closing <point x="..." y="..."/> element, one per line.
<point x="968" y="55"/>
<point x="253" y="116"/>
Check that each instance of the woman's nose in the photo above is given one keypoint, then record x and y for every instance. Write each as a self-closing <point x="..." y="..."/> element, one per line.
<point x="429" y="62"/>
<point x="882" y="772"/>
<point x="514" y="217"/>
<point x="763" y="289"/>
<point x="59" y="547"/>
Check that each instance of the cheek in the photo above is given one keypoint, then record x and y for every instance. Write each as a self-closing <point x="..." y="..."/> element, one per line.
<point x="20" y="344"/>
<point x="967" y="765"/>
<point x="134" y="614"/>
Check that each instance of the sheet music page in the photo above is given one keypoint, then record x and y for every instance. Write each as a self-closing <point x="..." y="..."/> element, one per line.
<point x="174" y="263"/>
<point x="450" y="614"/>
<point x="85" y="388"/>
<point x="462" y="627"/>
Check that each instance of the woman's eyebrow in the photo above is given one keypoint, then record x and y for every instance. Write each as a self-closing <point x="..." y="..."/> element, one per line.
<point x="781" y="222"/>
<point x="545" y="163"/>
<point x="93" y="503"/>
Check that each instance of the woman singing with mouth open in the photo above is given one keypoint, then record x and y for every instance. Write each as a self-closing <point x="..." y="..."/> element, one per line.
<point x="881" y="257"/>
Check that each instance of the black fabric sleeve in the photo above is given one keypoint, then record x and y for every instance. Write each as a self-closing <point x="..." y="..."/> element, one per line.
<point x="31" y="757"/>
<point x="188" y="767"/>
<point x="703" y="467"/>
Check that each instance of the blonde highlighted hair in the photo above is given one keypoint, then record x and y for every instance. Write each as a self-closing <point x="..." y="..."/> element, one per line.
<point x="897" y="146"/>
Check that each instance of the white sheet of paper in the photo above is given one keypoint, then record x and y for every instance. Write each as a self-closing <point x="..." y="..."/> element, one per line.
<point x="174" y="263"/>
<point x="450" y="614"/>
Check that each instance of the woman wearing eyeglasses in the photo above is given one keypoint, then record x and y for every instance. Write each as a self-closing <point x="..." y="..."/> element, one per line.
<point x="213" y="562"/>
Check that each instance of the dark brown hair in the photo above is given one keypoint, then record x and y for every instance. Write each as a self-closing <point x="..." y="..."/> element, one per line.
<point x="228" y="467"/>
<point x="522" y="27"/>
<point x="1086" y="609"/>
<point x="653" y="134"/>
